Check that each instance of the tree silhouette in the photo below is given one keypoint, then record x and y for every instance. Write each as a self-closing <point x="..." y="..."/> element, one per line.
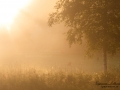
<point x="96" y="20"/>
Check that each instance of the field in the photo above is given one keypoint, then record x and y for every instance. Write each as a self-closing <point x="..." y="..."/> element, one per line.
<point x="62" y="72"/>
<point x="32" y="79"/>
<point x="58" y="62"/>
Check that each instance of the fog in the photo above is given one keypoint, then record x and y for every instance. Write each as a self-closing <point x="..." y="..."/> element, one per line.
<point x="32" y="43"/>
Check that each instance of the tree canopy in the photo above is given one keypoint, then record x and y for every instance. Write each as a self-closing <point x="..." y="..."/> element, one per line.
<point x="96" y="20"/>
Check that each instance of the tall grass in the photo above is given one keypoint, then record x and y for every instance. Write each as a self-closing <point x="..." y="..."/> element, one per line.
<point x="37" y="80"/>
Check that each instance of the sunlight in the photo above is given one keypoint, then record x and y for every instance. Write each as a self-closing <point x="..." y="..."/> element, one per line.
<point x="9" y="9"/>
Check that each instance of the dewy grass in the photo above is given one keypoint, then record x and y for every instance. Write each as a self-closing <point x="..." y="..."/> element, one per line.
<point x="32" y="79"/>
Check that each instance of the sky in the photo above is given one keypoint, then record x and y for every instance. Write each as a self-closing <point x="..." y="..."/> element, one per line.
<point x="30" y="37"/>
<point x="31" y="25"/>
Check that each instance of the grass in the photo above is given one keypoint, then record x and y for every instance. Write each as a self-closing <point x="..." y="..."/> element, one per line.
<point x="33" y="79"/>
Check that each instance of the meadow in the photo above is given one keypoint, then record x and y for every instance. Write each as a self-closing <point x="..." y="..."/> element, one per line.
<point x="59" y="74"/>
<point x="33" y="79"/>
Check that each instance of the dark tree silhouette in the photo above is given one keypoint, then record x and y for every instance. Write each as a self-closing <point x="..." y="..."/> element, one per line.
<point x="96" y="20"/>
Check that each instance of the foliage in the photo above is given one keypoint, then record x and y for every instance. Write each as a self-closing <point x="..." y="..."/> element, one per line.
<point x="96" y="20"/>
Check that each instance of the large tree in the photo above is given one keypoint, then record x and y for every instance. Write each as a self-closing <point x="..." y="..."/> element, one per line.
<point x="96" y="20"/>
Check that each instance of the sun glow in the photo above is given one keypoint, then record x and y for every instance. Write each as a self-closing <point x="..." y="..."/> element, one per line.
<point x="9" y="9"/>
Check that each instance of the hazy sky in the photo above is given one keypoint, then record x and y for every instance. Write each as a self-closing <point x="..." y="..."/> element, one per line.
<point x="31" y="32"/>
<point x="30" y="35"/>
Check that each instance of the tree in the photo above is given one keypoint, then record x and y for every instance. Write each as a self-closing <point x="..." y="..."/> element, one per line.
<point x="96" y="20"/>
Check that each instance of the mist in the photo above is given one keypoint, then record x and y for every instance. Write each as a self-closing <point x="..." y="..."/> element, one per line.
<point x="30" y="42"/>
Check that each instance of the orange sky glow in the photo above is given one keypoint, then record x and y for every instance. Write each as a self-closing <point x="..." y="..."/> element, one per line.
<point x="9" y="9"/>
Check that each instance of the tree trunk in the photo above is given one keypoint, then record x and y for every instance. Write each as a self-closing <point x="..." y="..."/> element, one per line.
<point x="105" y="59"/>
